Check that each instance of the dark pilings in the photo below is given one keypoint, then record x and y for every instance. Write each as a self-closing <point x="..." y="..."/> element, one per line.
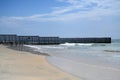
<point x="36" y="40"/>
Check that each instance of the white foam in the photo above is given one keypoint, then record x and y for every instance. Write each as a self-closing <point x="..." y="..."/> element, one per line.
<point x="68" y="44"/>
<point x="76" y="44"/>
<point x="53" y="47"/>
<point x="33" y="46"/>
<point x="84" y="44"/>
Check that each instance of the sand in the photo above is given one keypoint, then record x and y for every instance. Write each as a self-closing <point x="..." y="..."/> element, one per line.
<point x="19" y="65"/>
<point x="86" y="70"/>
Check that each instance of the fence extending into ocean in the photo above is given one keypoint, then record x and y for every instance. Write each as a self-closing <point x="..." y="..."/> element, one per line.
<point x="37" y="40"/>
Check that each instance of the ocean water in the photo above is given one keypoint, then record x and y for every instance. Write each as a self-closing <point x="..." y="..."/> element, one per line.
<point x="91" y="61"/>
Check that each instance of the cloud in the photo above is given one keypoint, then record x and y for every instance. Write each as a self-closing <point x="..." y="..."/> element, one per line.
<point x="77" y="9"/>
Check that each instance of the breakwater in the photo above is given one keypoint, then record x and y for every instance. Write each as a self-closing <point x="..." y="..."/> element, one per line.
<point x="37" y="40"/>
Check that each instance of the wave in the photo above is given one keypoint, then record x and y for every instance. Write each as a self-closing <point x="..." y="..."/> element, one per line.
<point x="44" y="47"/>
<point x="35" y="47"/>
<point x="77" y="44"/>
<point x="68" y="44"/>
<point x="85" y="44"/>
<point x="53" y="47"/>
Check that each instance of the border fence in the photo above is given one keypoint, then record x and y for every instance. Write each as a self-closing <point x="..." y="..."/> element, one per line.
<point x="37" y="40"/>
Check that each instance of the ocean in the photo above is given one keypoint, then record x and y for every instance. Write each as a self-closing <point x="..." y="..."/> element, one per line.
<point x="89" y="61"/>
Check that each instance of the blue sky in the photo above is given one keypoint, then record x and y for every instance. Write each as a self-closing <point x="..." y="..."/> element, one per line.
<point x="64" y="18"/>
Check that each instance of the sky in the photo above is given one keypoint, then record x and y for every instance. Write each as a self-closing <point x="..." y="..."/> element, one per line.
<point x="63" y="18"/>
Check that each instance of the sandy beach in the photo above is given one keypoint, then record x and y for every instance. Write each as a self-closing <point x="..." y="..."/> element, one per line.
<point x="19" y="65"/>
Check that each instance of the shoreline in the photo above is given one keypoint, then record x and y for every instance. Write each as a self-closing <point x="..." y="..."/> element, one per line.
<point x="86" y="70"/>
<point x="63" y="69"/>
<point x="21" y="65"/>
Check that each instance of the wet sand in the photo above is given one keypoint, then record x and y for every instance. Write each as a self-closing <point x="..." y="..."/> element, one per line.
<point x="84" y="70"/>
<point x="21" y="65"/>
